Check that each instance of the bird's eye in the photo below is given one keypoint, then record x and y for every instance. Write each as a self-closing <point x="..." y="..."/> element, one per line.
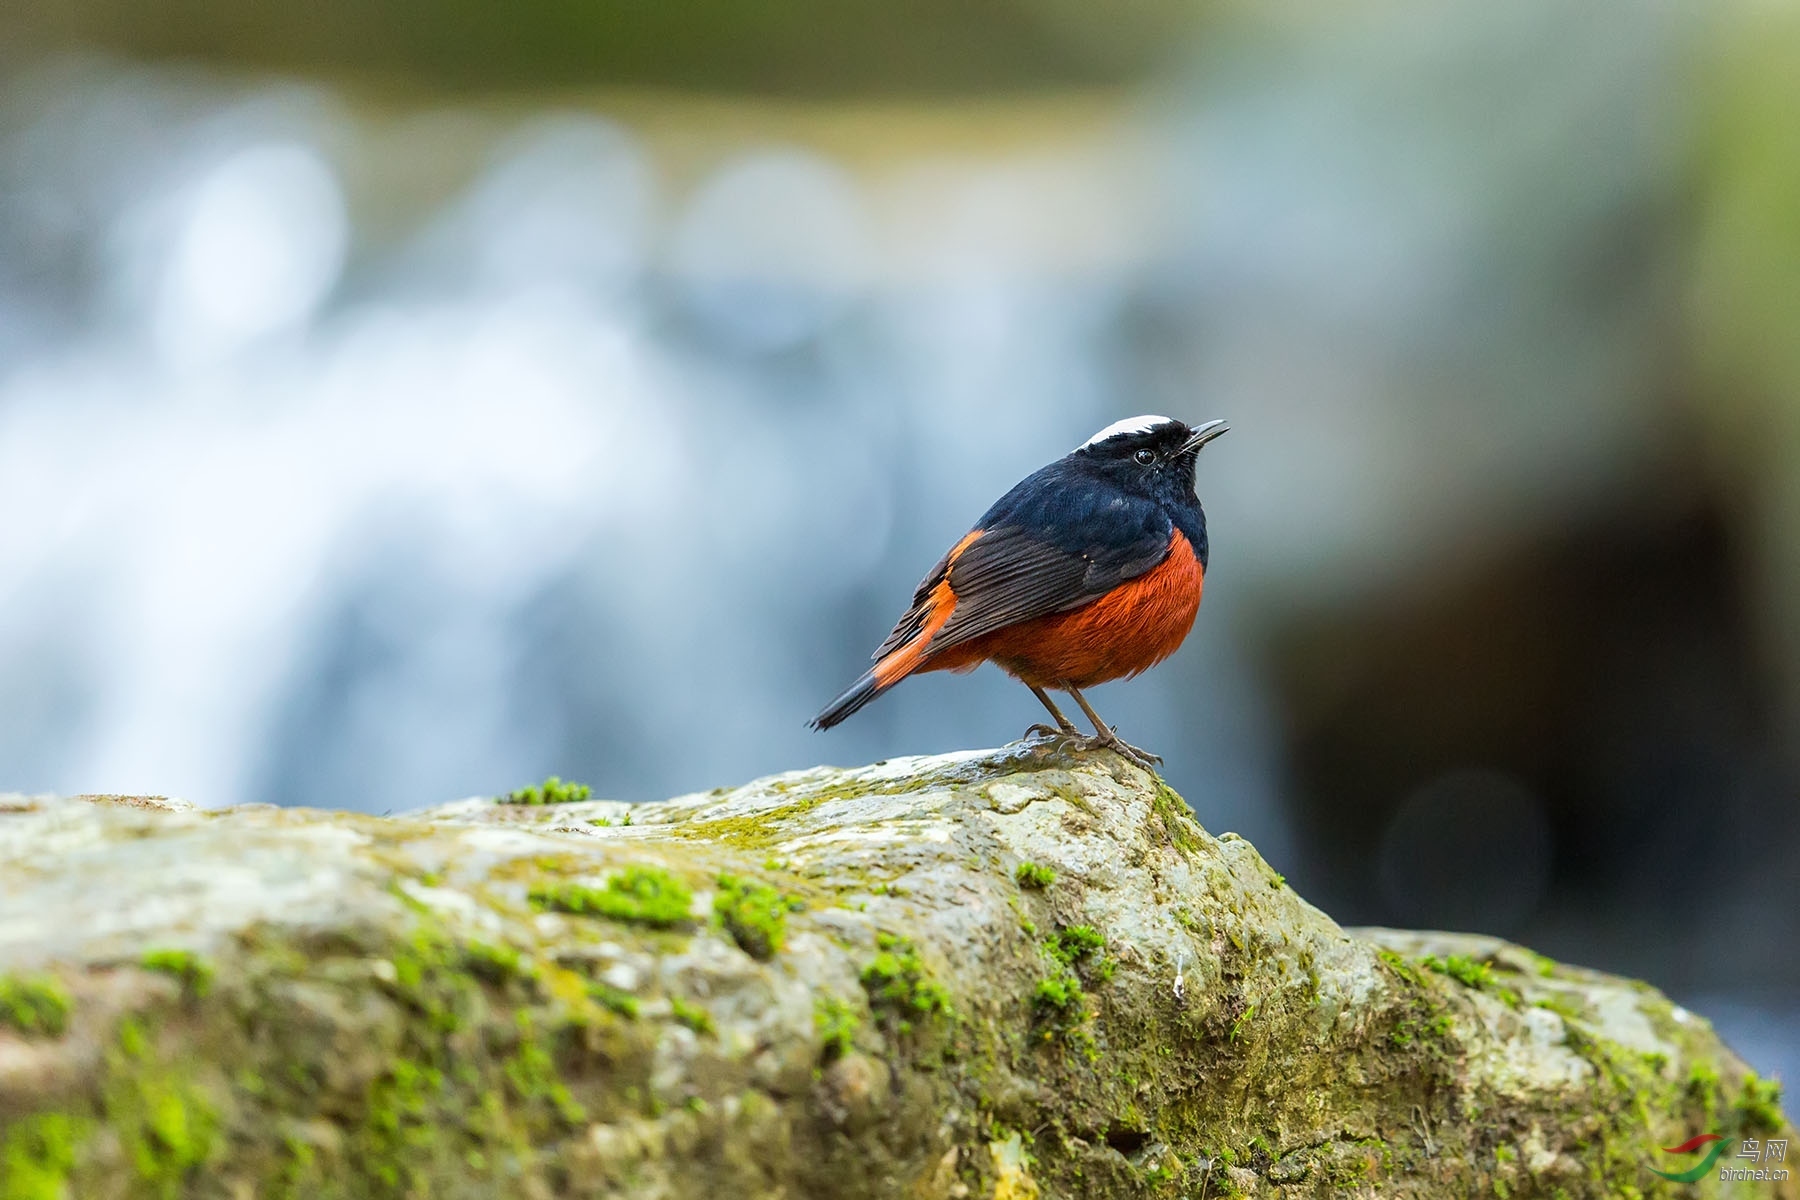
<point x="1145" y="457"/>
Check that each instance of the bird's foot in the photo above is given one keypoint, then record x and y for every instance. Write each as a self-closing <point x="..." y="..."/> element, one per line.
<point x="1111" y="740"/>
<point x="1108" y="740"/>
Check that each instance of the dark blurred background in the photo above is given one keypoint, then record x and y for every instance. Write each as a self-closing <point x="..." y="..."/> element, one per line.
<point x="403" y="400"/>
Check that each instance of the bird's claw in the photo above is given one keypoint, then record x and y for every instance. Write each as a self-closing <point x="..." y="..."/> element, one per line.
<point x="1107" y="740"/>
<point x="1088" y="741"/>
<point x="1143" y="758"/>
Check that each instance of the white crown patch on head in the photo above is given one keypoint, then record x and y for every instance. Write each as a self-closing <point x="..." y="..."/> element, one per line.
<point x="1143" y="424"/>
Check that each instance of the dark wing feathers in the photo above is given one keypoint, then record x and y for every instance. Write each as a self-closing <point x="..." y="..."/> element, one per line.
<point x="1012" y="574"/>
<point x="1044" y="547"/>
<point x="908" y="627"/>
<point x="1009" y="576"/>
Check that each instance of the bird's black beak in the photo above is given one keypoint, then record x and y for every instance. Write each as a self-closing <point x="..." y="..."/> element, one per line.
<point x="1203" y="435"/>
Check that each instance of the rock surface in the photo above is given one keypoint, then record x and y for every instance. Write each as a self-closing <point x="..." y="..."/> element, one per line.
<point x="998" y="974"/>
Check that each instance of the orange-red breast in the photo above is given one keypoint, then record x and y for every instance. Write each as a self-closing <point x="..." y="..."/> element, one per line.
<point x="1090" y="569"/>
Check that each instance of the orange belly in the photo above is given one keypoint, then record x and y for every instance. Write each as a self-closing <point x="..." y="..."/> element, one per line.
<point x="1128" y="630"/>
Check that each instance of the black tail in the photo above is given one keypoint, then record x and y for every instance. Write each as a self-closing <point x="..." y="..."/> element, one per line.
<point x="853" y="698"/>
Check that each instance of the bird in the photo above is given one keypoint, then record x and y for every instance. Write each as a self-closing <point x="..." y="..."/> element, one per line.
<point x="1090" y="569"/>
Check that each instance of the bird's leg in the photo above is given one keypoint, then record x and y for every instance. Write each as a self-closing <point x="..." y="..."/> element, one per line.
<point x="1063" y="724"/>
<point x="1106" y="735"/>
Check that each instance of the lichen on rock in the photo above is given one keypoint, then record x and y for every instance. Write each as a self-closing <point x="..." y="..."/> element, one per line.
<point x="1026" y="972"/>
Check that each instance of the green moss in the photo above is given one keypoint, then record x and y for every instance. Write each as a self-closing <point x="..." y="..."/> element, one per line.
<point x="1473" y="974"/>
<point x="1559" y="1005"/>
<point x="1215" y="1173"/>
<point x="613" y="999"/>
<point x="755" y="832"/>
<point x="1177" y="817"/>
<point x="298" y="1161"/>
<point x="691" y="1015"/>
<point x="1399" y="966"/>
<point x="532" y="1077"/>
<point x="472" y="1084"/>
<point x="836" y="1023"/>
<point x="463" y="1087"/>
<point x="1426" y="1025"/>
<point x="895" y="979"/>
<point x="429" y="980"/>
<point x="1461" y="968"/>
<point x="1631" y="1096"/>
<point x="1061" y="994"/>
<point x="636" y="895"/>
<point x="495" y="964"/>
<point x="551" y="791"/>
<point x="35" y="1006"/>
<point x="399" y="1124"/>
<point x="38" y="1153"/>
<point x="1031" y="875"/>
<point x="166" y="1124"/>
<point x="1059" y="999"/>
<point x="1758" y="1106"/>
<point x="754" y="914"/>
<point x="1167" y="1169"/>
<point x="1073" y="943"/>
<point x="1702" y="1087"/>
<point x="194" y="972"/>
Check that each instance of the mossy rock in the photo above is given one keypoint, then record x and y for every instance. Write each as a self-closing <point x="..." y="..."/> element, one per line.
<point x="826" y="983"/>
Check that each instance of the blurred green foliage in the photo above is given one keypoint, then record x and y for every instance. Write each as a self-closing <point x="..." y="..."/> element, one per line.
<point x="784" y="47"/>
